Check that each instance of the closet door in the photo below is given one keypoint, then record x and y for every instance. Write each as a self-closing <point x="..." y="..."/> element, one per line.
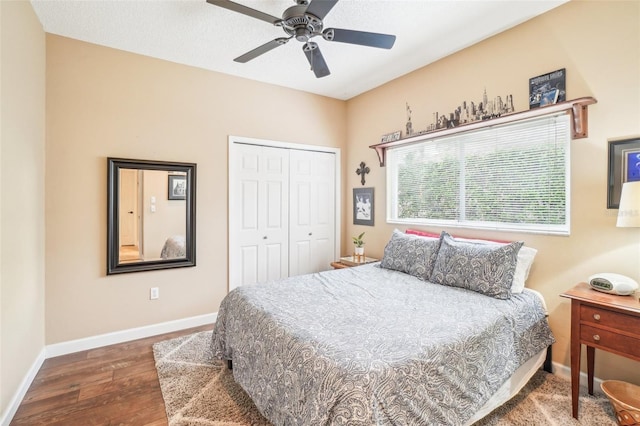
<point x="311" y="212"/>
<point x="258" y="209"/>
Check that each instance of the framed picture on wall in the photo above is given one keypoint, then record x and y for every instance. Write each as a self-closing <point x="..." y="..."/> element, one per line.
<point x="363" y="206"/>
<point x="624" y="166"/>
<point x="177" y="187"/>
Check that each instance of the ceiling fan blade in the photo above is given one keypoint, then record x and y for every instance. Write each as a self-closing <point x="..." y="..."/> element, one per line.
<point x="316" y="60"/>
<point x="245" y="10"/>
<point x="383" y="41"/>
<point x="252" y="54"/>
<point x="320" y="8"/>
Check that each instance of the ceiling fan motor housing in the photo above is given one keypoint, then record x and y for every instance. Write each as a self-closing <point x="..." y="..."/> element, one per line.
<point x="299" y="24"/>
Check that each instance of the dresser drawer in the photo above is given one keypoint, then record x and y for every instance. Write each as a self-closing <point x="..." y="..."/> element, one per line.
<point x="628" y="346"/>
<point x="611" y="319"/>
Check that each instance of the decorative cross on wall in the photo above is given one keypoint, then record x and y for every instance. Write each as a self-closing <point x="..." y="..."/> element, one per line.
<point x="363" y="170"/>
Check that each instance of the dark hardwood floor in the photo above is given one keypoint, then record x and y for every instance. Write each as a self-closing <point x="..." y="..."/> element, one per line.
<point x="112" y="385"/>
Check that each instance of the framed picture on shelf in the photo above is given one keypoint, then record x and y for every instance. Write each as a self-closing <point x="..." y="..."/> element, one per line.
<point x="363" y="206"/>
<point x="177" y="187"/>
<point x="391" y="137"/>
<point x="624" y="166"/>
<point x="547" y="89"/>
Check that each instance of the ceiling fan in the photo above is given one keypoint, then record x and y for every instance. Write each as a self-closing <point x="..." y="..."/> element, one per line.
<point x="303" y="22"/>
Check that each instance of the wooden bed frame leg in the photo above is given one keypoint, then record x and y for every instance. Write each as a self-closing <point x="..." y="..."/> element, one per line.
<point x="230" y="364"/>
<point x="547" y="362"/>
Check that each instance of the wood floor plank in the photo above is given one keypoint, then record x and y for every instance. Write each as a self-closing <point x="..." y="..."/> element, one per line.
<point x="64" y="384"/>
<point x="45" y="405"/>
<point x="63" y="360"/>
<point x="128" y="384"/>
<point x="140" y="367"/>
<point x="113" y="385"/>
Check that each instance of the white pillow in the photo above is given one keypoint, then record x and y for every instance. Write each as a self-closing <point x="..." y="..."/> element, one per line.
<point x="525" y="260"/>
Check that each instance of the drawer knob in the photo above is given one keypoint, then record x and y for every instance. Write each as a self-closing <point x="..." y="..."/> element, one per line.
<point x="596" y="337"/>
<point x="596" y="317"/>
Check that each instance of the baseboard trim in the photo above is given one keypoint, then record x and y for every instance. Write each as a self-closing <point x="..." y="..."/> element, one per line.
<point x="107" y="339"/>
<point x="564" y="372"/>
<point x="13" y="405"/>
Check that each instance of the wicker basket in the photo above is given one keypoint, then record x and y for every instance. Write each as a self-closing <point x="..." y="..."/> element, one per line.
<point x="625" y="399"/>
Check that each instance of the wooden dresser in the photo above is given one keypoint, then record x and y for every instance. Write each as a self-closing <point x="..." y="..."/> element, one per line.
<point x="600" y="321"/>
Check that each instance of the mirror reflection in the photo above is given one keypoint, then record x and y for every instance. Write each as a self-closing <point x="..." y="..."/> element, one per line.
<point x="151" y="223"/>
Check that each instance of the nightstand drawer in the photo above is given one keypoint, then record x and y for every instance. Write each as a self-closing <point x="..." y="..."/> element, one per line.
<point x="630" y="324"/>
<point x="609" y="340"/>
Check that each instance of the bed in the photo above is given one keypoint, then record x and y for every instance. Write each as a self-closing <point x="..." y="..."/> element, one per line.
<point x="174" y="248"/>
<point x="381" y="345"/>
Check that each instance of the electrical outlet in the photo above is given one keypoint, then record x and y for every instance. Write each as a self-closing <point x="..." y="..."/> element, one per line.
<point x="154" y="293"/>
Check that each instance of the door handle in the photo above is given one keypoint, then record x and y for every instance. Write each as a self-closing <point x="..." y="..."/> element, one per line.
<point x="264" y="238"/>
<point x="130" y="212"/>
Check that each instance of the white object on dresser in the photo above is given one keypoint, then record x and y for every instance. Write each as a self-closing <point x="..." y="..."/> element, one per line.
<point x="611" y="283"/>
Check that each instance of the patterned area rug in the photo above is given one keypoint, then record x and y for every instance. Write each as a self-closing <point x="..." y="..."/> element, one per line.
<point x="200" y="390"/>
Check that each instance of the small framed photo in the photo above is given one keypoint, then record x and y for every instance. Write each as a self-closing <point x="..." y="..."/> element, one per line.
<point x="547" y="89"/>
<point x="391" y="137"/>
<point x="624" y="166"/>
<point x="177" y="187"/>
<point x="363" y="206"/>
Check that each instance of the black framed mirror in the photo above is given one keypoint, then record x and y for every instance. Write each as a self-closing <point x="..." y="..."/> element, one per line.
<point x="150" y="215"/>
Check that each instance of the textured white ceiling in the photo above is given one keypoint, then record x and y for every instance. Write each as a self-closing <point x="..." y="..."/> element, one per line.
<point x="196" y="33"/>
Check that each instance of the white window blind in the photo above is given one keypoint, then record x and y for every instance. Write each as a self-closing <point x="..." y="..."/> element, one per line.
<point x="509" y="177"/>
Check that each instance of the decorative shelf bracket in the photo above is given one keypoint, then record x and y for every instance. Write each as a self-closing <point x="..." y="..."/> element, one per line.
<point x="578" y="108"/>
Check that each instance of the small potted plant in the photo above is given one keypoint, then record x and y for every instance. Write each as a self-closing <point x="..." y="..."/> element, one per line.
<point x="358" y="243"/>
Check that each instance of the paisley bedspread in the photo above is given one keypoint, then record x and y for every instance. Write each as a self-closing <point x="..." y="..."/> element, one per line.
<point x="371" y="346"/>
<point x="174" y="248"/>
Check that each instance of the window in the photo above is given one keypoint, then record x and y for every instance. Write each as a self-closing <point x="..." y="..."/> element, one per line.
<point x="510" y="177"/>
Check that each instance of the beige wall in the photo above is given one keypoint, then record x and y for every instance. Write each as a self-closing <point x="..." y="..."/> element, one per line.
<point x="603" y="63"/>
<point x="22" y="135"/>
<point x="103" y="102"/>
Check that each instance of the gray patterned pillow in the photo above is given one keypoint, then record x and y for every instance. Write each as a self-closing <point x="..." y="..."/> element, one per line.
<point x="487" y="269"/>
<point x="411" y="254"/>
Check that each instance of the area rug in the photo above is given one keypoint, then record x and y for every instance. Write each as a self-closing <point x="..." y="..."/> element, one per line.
<point x="200" y="390"/>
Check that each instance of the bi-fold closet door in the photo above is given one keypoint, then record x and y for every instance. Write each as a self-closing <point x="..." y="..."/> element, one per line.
<point x="282" y="212"/>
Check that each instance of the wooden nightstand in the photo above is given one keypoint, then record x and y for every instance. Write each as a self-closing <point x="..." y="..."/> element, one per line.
<point x="349" y="261"/>
<point x="604" y="321"/>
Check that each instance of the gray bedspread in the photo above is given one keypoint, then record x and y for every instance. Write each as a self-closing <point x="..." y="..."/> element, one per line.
<point x="371" y="346"/>
<point x="174" y="248"/>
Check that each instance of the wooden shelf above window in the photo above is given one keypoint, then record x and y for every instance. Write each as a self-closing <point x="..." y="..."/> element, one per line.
<point x="577" y="108"/>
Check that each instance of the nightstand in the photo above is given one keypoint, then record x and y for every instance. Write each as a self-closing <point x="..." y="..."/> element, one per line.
<point x="349" y="261"/>
<point x="604" y="321"/>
